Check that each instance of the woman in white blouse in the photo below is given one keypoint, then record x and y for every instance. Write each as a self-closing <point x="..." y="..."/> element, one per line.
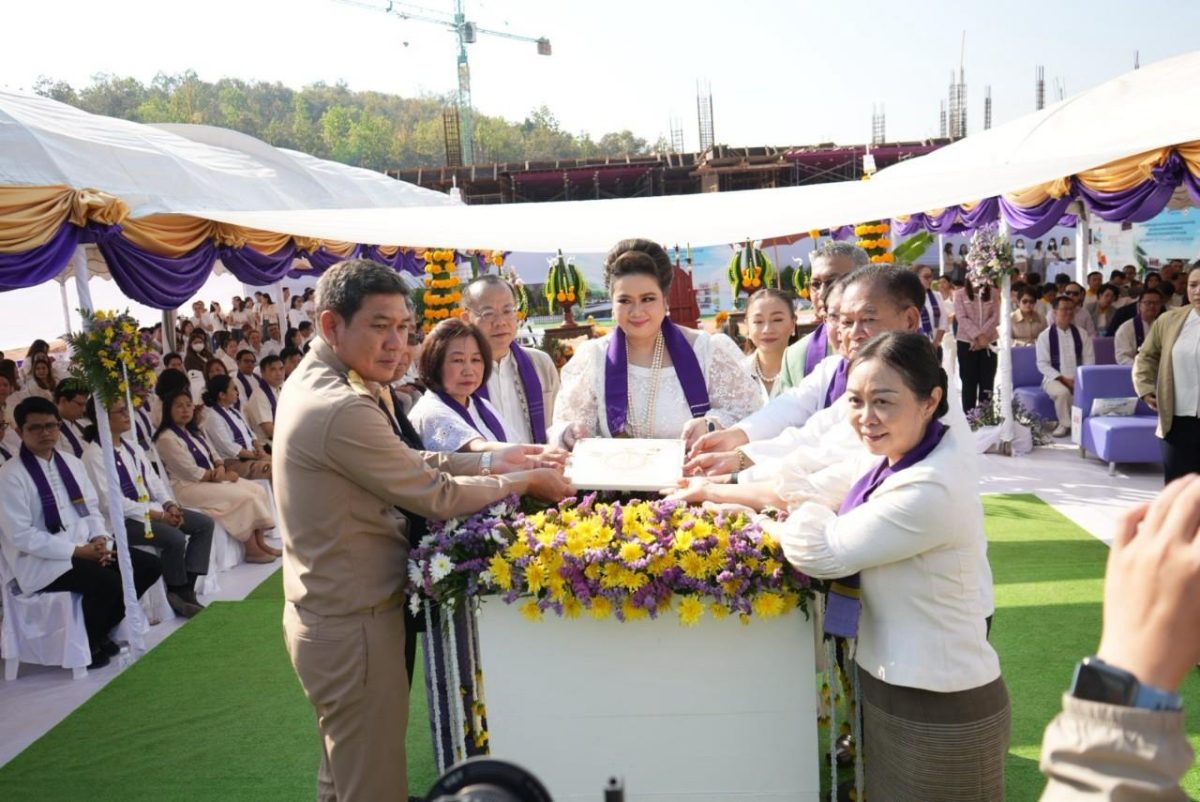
<point x="296" y="313"/>
<point x="771" y="323"/>
<point x="455" y="362"/>
<point x="230" y="435"/>
<point x="907" y="539"/>
<point x="649" y="378"/>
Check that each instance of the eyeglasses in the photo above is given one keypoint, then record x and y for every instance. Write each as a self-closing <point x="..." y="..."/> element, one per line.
<point x="41" y="428"/>
<point x="489" y="316"/>
<point x="1072" y="292"/>
<point x="818" y="283"/>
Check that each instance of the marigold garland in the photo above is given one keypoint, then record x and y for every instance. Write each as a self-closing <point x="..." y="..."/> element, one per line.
<point x="441" y="297"/>
<point x="874" y="240"/>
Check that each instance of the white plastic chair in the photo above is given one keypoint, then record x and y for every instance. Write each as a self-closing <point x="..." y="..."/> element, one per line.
<point x="45" y="628"/>
<point x="227" y="551"/>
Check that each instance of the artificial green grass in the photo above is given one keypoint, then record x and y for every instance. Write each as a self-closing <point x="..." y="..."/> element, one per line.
<point x="215" y="712"/>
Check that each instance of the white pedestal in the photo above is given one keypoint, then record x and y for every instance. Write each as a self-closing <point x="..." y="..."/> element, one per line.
<point x="717" y="712"/>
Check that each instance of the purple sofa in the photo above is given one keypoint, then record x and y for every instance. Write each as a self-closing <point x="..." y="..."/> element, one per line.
<point x="1027" y="383"/>
<point x="1115" y="439"/>
<point x="1106" y="350"/>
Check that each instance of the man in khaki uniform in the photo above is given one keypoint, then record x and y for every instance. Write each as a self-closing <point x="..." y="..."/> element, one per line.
<point x="524" y="381"/>
<point x="340" y="474"/>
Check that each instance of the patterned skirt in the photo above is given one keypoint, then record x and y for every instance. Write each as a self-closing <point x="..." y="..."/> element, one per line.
<point x="924" y="746"/>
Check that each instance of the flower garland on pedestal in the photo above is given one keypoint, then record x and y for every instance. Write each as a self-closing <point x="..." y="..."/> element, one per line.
<point x="441" y="296"/>
<point x="749" y="270"/>
<point x="874" y="238"/>
<point x="565" y="287"/>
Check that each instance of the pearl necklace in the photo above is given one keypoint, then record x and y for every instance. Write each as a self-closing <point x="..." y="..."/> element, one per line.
<point x="758" y="373"/>
<point x="646" y="427"/>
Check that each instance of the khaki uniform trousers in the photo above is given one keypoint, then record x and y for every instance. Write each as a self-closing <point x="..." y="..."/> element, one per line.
<point x="1062" y="398"/>
<point x="352" y="670"/>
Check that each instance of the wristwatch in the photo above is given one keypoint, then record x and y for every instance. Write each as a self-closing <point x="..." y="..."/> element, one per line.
<point x="1097" y="681"/>
<point x="485" y="464"/>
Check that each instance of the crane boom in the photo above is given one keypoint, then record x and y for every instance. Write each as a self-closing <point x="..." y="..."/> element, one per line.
<point x="466" y="33"/>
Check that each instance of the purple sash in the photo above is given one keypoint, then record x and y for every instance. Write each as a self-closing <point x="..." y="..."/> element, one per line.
<point x="232" y="424"/>
<point x="818" y="348"/>
<point x="76" y="446"/>
<point x="928" y="326"/>
<point x="141" y="422"/>
<point x="266" y="388"/>
<point x="247" y="389"/>
<point x="843" y="605"/>
<point x="837" y="386"/>
<point x="1139" y="330"/>
<point x="484" y="412"/>
<point x="1054" y="356"/>
<point x="49" y="507"/>
<point x="197" y="454"/>
<point x="4" y="452"/>
<point x="128" y="488"/>
<point x="616" y="376"/>
<point x="532" y="387"/>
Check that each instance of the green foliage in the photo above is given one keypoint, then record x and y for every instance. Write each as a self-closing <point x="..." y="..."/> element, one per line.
<point x="366" y="129"/>
<point x="913" y="248"/>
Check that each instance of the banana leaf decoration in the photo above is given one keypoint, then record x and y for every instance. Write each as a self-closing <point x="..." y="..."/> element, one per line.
<point x="565" y="286"/>
<point x="749" y="270"/>
<point x="909" y="251"/>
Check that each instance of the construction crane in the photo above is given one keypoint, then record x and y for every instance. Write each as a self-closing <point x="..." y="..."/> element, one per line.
<point x="467" y="33"/>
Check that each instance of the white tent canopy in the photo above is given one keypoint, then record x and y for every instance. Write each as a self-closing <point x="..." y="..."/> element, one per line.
<point x="1142" y="110"/>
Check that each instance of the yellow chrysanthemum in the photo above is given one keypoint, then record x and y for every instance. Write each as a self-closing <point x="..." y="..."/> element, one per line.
<point x="632" y="552"/>
<point x="719" y="611"/>
<point x="572" y="607"/>
<point x="531" y="611"/>
<point x="632" y="612"/>
<point x="501" y="572"/>
<point x="517" y="549"/>
<point x="693" y="565"/>
<point x="684" y="539"/>
<point x="535" y="576"/>
<point x="600" y="607"/>
<point x="767" y="605"/>
<point x="691" y="610"/>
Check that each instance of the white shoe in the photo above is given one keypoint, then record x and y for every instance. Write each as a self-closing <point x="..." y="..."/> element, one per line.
<point x="1061" y="431"/>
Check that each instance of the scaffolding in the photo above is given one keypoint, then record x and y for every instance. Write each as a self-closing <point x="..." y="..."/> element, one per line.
<point x="704" y="115"/>
<point x="878" y="125"/>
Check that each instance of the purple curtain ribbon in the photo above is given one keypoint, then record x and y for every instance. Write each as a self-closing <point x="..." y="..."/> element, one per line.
<point x="50" y="511"/>
<point x="929" y="326"/>
<point x="403" y="261"/>
<point x="1055" y="360"/>
<point x="266" y="388"/>
<point x="843" y="605"/>
<point x="1035" y="221"/>
<point x="128" y="488"/>
<point x="1140" y="202"/>
<point x="232" y="424"/>
<point x="321" y="259"/>
<point x="255" y="268"/>
<point x="818" y="348"/>
<point x="162" y="282"/>
<point x="41" y="264"/>
<point x="198" y="454"/>
<point x="1139" y="330"/>
<point x="837" y="385"/>
<point x="616" y="376"/>
<point x="76" y="446"/>
<point x="489" y="419"/>
<point x="531" y="385"/>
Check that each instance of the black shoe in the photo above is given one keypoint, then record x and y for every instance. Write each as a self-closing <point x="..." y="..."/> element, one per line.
<point x="99" y="659"/>
<point x="189" y="596"/>
<point x="181" y="606"/>
<point x="109" y="647"/>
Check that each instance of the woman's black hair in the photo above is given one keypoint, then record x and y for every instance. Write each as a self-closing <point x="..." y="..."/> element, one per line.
<point x="168" y="401"/>
<point x="638" y="257"/>
<point x="214" y="387"/>
<point x="912" y="356"/>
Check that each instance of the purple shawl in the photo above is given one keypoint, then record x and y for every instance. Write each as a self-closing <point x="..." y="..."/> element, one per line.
<point x="198" y="454"/>
<point x="532" y="387"/>
<point x="46" y="495"/>
<point x="616" y="376"/>
<point x="1054" y="355"/>
<point x="818" y="348"/>
<point x="485" y="413"/>
<point x="837" y="385"/>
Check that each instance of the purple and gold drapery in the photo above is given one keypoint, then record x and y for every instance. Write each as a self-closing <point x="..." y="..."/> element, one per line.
<point x="158" y="260"/>
<point x="1131" y="190"/>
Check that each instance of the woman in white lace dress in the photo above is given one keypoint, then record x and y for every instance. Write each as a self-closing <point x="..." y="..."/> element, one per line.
<point x="455" y="362"/>
<point x="649" y="378"/>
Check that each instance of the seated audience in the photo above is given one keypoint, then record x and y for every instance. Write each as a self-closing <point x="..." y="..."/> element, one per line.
<point x="1061" y="350"/>
<point x="197" y="355"/>
<point x="260" y="411"/>
<point x="229" y="433"/>
<point x="1132" y="333"/>
<point x="53" y="533"/>
<point x="71" y="397"/>
<point x="1027" y="322"/>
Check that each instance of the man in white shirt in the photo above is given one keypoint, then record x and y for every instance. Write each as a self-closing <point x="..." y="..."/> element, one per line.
<point x="1130" y="334"/>
<point x="247" y="381"/>
<point x="519" y="375"/>
<point x="254" y="343"/>
<point x="933" y="325"/>
<point x="1061" y="350"/>
<point x="272" y="345"/>
<point x="53" y="535"/>
<point x="260" y="409"/>
<point x="1083" y="322"/>
<point x="831" y="261"/>
<point x="70" y="396"/>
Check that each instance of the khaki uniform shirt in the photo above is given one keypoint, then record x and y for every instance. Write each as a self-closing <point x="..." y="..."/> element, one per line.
<point x="340" y="471"/>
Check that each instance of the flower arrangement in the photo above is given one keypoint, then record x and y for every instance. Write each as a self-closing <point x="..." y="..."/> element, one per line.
<point x="989" y="257"/>
<point x="441" y="296"/>
<point x="558" y="351"/>
<point x="989" y="414"/>
<point x="800" y="278"/>
<point x="112" y="357"/>
<point x="749" y="270"/>
<point x="874" y="238"/>
<point x="629" y="560"/>
<point x="565" y="287"/>
<point x="482" y="262"/>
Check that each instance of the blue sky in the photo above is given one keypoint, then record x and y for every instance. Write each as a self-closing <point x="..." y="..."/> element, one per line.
<point x="781" y="72"/>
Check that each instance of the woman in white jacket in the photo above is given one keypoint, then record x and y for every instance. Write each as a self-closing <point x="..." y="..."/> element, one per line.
<point x="906" y="549"/>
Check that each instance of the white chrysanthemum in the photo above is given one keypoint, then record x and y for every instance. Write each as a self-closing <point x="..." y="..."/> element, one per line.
<point x="440" y="567"/>
<point x="497" y="536"/>
<point x="452" y="525"/>
<point x="487" y="577"/>
<point x="415" y="567"/>
<point x="414" y="604"/>
<point x="499" y="510"/>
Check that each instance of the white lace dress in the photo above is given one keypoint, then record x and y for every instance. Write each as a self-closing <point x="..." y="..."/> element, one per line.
<point x="443" y="429"/>
<point x="732" y="393"/>
<point x="748" y="365"/>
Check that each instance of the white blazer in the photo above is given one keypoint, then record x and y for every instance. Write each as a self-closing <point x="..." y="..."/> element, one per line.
<point x="795" y="405"/>
<point x="920" y="547"/>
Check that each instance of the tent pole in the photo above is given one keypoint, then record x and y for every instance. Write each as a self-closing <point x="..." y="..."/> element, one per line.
<point x="1004" y="373"/>
<point x="116" y="519"/>
<point x="941" y="255"/>
<point x="62" y="288"/>
<point x="1083" y="235"/>
<point x="168" y="330"/>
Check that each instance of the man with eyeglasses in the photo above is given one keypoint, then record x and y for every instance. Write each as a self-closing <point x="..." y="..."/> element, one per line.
<point x="830" y="261"/>
<point x="1084" y="322"/>
<point x="1132" y="333"/>
<point x="53" y="535"/>
<point x="1027" y="322"/>
<point x="524" y="381"/>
